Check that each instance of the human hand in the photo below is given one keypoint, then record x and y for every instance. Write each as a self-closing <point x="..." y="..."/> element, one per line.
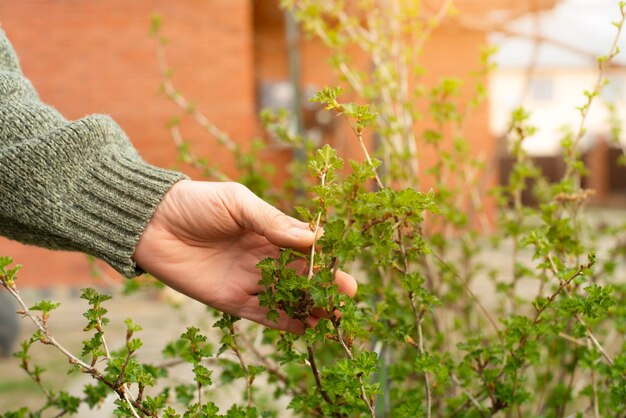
<point x="205" y="240"/>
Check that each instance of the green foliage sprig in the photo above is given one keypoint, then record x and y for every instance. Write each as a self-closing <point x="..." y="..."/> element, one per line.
<point x="440" y="326"/>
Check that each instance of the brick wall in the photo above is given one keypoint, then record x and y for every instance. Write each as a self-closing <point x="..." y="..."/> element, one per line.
<point x="88" y="56"/>
<point x="94" y="56"/>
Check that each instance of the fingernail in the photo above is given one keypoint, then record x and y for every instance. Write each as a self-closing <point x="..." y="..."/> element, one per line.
<point x="300" y="233"/>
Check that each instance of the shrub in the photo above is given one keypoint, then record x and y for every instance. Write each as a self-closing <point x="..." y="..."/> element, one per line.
<point x="419" y="339"/>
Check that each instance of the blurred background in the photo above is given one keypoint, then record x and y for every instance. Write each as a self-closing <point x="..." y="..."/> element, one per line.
<point x="234" y="57"/>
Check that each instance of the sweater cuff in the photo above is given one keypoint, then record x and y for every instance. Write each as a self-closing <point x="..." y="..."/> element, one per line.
<point x="113" y="206"/>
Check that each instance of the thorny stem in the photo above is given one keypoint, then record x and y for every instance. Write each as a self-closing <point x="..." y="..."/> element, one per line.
<point x="349" y="354"/>
<point x="467" y="393"/>
<point x="272" y="368"/>
<point x="169" y="88"/>
<point x="537" y="319"/>
<point x="318" y="379"/>
<point x="242" y="363"/>
<point x="124" y="386"/>
<point x="580" y="320"/>
<point x="194" y="161"/>
<point x="420" y="345"/>
<point x="484" y="310"/>
<point x="318" y="376"/>
<point x="379" y="183"/>
<point x="419" y="317"/>
<point x="316" y="229"/>
<point x="594" y="384"/>
<point x="595" y="341"/>
<point x="602" y="66"/>
<point x="85" y="368"/>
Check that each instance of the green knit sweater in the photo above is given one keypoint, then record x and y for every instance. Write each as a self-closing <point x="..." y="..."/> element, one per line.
<point x="71" y="185"/>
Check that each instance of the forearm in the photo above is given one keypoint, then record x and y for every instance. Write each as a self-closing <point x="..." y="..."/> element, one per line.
<point x="75" y="185"/>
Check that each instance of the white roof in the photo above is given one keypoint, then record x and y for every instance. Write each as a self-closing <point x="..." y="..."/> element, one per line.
<point x="583" y="24"/>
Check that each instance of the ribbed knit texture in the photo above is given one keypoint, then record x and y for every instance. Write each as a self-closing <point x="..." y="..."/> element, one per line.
<point x="71" y="185"/>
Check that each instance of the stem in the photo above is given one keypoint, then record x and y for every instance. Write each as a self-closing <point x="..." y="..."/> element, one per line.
<point x="318" y="376"/>
<point x="242" y="363"/>
<point x="420" y="344"/>
<point x="580" y="320"/>
<point x="595" y="341"/>
<point x="273" y="368"/>
<point x="379" y="183"/>
<point x="537" y="319"/>
<point x="594" y="383"/>
<point x="349" y="354"/>
<point x="596" y="89"/>
<point x="468" y="394"/>
<point x="194" y="161"/>
<point x="316" y="230"/>
<point x="221" y="136"/>
<point x="85" y="368"/>
<point x="484" y="310"/>
<point x="419" y="317"/>
<point x="124" y="386"/>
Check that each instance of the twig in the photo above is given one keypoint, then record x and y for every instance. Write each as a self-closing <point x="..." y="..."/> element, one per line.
<point x="595" y="341"/>
<point x="272" y="368"/>
<point x="602" y="65"/>
<point x="316" y="230"/>
<point x="467" y="393"/>
<point x="194" y="161"/>
<point x="349" y="354"/>
<point x="379" y="183"/>
<point x="596" y="403"/>
<point x="49" y="339"/>
<point x="580" y="320"/>
<point x="472" y="294"/>
<point x="242" y="363"/>
<point x="318" y="376"/>
<point x="574" y="340"/>
<point x="169" y="88"/>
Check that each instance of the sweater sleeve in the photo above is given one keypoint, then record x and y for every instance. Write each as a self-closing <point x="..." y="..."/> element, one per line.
<point x="71" y="185"/>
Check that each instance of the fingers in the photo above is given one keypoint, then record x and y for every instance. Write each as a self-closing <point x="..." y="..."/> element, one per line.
<point x="254" y="312"/>
<point x="257" y="215"/>
<point x="346" y="283"/>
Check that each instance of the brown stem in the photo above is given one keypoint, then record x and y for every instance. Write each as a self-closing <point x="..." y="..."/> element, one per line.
<point x="596" y="89"/>
<point x="484" y="310"/>
<point x="242" y="363"/>
<point x="349" y="354"/>
<point x="84" y="367"/>
<point x="221" y="136"/>
<point x="318" y="377"/>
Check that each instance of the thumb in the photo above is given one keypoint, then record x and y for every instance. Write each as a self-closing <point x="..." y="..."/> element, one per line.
<point x="279" y="229"/>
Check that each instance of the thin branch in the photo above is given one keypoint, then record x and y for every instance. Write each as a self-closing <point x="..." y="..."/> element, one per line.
<point x="595" y="341"/>
<point x="349" y="354"/>
<point x="379" y="183"/>
<point x="242" y="363"/>
<point x="467" y="393"/>
<point x="193" y="160"/>
<point x="602" y="66"/>
<point x="484" y="310"/>
<point x="272" y="368"/>
<point x="318" y="376"/>
<point x="580" y="320"/>
<point x="316" y="230"/>
<point x="171" y="91"/>
<point x="49" y="339"/>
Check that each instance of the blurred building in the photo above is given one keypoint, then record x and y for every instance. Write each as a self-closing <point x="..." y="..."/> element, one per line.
<point x="229" y="56"/>
<point x="546" y="61"/>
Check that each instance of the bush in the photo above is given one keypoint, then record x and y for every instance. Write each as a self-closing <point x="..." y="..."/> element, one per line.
<point x="439" y="326"/>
